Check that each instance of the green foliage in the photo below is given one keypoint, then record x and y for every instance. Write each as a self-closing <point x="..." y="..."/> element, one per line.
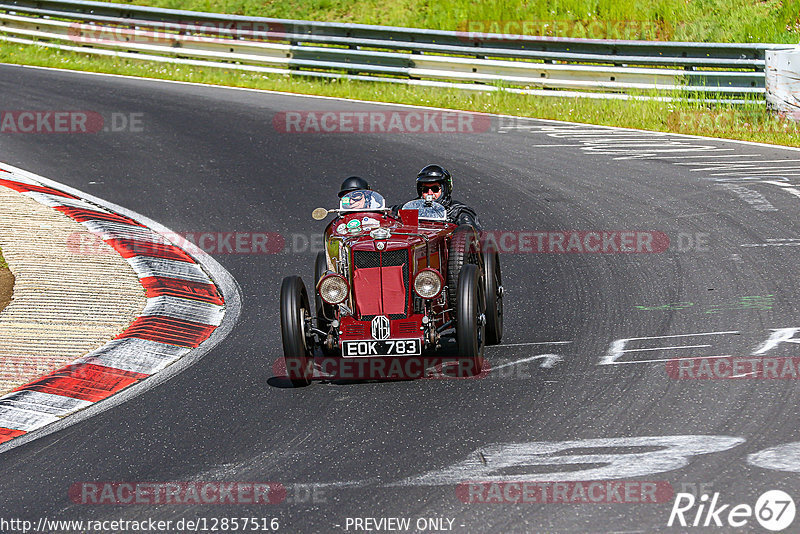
<point x="680" y="20"/>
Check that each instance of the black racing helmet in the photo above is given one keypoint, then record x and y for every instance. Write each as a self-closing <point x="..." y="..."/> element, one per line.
<point x="433" y="174"/>
<point x="354" y="183"/>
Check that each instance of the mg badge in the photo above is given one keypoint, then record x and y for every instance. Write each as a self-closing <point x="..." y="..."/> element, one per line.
<point x="380" y="327"/>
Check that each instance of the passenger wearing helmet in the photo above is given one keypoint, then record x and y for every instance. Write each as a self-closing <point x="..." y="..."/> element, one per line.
<point x="434" y="180"/>
<point x="354" y="183"/>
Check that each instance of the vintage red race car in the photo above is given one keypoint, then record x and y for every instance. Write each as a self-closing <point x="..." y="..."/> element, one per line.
<point x="392" y="286"/>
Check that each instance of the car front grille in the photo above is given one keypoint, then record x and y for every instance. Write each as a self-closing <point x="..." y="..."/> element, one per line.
<point x="364" y="259"/>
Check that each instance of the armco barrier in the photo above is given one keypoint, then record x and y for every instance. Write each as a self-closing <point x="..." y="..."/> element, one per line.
<point x="598" y="68"/>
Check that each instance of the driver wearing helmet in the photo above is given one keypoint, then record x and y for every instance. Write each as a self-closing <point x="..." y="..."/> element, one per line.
<point x="434" y="180"/>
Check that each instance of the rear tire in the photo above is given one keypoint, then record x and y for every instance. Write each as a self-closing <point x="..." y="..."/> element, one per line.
<point x="470" y="325"/>
<point x="463" y="249"/>
<point x="494" y="296"/>
<point x="298" y="350"/>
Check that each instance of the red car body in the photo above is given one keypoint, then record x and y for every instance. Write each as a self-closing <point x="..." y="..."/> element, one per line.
<point x="392" y="286"/>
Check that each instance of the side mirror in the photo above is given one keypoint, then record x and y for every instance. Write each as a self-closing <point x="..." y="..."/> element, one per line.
<point x="319" y="214"/>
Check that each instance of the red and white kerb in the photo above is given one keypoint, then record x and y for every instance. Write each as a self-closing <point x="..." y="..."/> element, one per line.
<point x="183" y="308"/>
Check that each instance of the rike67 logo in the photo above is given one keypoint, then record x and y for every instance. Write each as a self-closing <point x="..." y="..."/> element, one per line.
<point x="774" y="510"/>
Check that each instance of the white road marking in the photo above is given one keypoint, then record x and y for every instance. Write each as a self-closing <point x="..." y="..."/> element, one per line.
<point x="648" y="142"/>
<point x="791" y="190"/>
<point x="629" y="144"/>
<point x="778" y="336"/>
<point x="549" y="361"/>
<point x="744" y="164"/>
<point x="669" y="348"/>
<point x="751" y="169"/>
<point x="655" y="152"/>
<point x="777" y="172"/>
<point x="784" y="457"/>
<point x="531" y="343"/>
<point x="606" y="138"/>
<point x="654" y="156"/>
<point x="673" y="359"/>
<point x="755" y="167"/>
<point x="505" y="462"/>
<point x="739" y="179"/>
<point x="753" y="198"/>
<point x="712" y="156"/>
<point x="617" y="348"/>
<point x="754" y="245"/>
<point x="779" y="184"/>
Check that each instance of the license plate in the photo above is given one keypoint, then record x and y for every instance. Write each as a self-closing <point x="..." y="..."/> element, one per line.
<point x="389" y="347"/>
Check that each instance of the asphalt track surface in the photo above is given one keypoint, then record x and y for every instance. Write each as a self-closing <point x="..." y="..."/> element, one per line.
<point x="209" y="159"/>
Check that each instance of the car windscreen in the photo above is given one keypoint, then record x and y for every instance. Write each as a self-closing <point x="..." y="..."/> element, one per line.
<point x="362" y="200"/>
<point x="427" y="210"/>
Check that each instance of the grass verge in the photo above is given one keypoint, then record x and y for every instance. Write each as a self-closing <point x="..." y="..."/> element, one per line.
<point x="750" y="122"/>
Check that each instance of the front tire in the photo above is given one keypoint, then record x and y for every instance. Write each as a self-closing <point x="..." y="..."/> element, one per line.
<point x="470" y="320"/>
<point x="298" y="349"/>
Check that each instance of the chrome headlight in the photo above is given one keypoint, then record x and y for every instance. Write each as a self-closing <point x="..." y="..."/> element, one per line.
<point x="428" y="283"/>
<point x="333" y="288"/>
